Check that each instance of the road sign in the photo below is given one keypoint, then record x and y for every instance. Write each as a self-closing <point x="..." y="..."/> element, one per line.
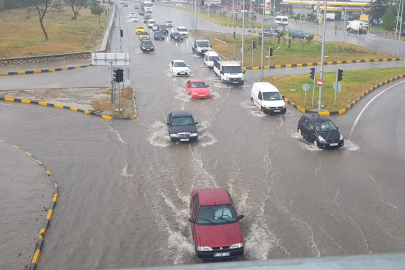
<point x="305" y="87"/>
<point x="319" y="82"/>
<point x="337" y="86"/>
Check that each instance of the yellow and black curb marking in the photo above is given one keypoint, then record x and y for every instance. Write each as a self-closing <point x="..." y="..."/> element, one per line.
<point x="258" y="32"/>
<point x="67" y="108"/>
<point x="393" y="38"/>
<point x="254" y="27"/>
<point x="45" y="225"/>
<point x="135" y="111"/>
<point x="326" y="63"/>
<point x="42" y="70"/>
<point x="356" y="100"/>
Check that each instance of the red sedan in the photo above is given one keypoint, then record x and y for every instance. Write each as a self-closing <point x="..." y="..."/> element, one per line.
<point x="197" y="89"/>
<point x="215" y="224"/>
<point x="136" y="7"/>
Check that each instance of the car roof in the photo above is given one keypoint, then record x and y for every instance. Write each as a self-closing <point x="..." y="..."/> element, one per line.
<point x="211" y="53"/>
<point x="196" y="80"/>
<point x="213" y="196"/>
<point x="181" y="113"/>
<point x="181" y="27"/>
<point x="178" y="61"/>
<point x="143" y="33"/>
<point x="316" y="117"/>
<point x="140" y="27"/>
<point x="265" y="87"/>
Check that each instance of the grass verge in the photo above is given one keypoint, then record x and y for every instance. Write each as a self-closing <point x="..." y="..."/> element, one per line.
<point x="354" y="83"/>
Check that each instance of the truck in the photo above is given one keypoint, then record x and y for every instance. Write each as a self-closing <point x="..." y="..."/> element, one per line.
<point x="330" y="16"/>
<point x="357" y="27"/>
<point x="200" y="46"/>
<point x="146" y="6"/>
<point x="230" y="72"/>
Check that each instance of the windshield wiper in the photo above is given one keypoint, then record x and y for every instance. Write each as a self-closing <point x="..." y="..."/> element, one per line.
<point x="225" y="219"/>
<point x="208" y="220"/>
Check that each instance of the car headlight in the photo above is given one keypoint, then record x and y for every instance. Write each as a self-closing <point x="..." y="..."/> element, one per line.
<point x="173" y="135"/>
<point x="238" y="245"/>
<point x="341" y="137"/>
<point x="194" y="134"/>
<point x="321" y="139"/>
<point x="204" y="248"/>
<point x="151" y="47"/>
<point x="143" y="48"/>
<point x="283" y="107"/>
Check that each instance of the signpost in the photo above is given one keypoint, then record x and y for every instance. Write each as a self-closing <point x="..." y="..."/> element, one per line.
<point x="319" y="82"/>
<point x="305" y="87"/>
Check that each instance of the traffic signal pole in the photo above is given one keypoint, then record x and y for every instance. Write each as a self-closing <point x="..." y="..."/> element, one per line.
<point x="322" y="57"/>
<point x="337" y="72"/>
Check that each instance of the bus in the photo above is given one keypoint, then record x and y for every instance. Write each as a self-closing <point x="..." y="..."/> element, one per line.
<point x="146" y="6"/>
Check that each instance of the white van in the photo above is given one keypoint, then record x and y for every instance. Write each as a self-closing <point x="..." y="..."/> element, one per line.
<point x="267" y="98"/>
<point x="281" y="20"/>
<point x="210" y="57"/>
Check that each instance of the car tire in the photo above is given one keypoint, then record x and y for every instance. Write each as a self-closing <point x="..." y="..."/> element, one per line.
<point x="251" y="99"/>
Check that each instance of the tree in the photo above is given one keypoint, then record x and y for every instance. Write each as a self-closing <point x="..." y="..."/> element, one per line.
<point x="389" y="21"/>
<point x="43" y="7"/>
<point x="96" y="9"/>
<point x="76" y="6"/>
<point x="378" y="9"/>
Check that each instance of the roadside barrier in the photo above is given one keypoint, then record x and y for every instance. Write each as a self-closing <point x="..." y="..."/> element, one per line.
<point x="392" y="38"/>
<point x="42" y="70"/>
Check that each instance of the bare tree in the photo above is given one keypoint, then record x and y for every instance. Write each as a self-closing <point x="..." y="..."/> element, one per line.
<point x="76" y="6"/>
<point x="43" y="7"/>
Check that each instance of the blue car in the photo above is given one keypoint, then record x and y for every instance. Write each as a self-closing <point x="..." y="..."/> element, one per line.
<point x="159" y="35"/>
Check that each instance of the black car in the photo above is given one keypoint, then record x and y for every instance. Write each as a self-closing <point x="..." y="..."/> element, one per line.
<point x="159" y="35"/>
<point x="176" y="36"/>
<point x="182" y="126"/>
<point x="140" y="12"/>
<point x="299" y="34"/>
<point x="320" y="130"/>
<point x="147" y="46"/>
<point x="270" y="32"/>
<point x="147" y="18"/>
<point x="163" y="28"/>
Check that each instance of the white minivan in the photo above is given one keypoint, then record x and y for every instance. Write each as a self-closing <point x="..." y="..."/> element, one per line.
<point x="281" y="20"/>
<point x="210" y="57"/>
<point x="267" y="98"/>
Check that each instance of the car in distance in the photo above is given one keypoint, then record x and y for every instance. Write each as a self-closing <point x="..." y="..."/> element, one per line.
<point x="147" y="18"/>
<point x="182" y="126"/>
<point x="147" y="46"/>
<point x="179" y="5"/>
<point x="210" y="57"/>
<point x="270" y="32"/>
<point x="136" y="7"/>
<point x="182" y="30"/>
<point x="163" y="28"/>
<point x="140" y="12"/>
<point x="320" y="130"/>
<point x="159" y="35"/>
<point x="179" y="68"/>
<point x="135" y="19"/>
<point x="155" y="27"/>
<point x="144" y="35"/>
<point x="169" y="23"/>
<point x="215" y="225"/>
<point x="139" y="29"/>
<point x="196" y="88"/>
<point x="151" y="22"/>
<point x="299" y="34"/>
<point x="131" y="14"/>
<point x="176" y="36"/>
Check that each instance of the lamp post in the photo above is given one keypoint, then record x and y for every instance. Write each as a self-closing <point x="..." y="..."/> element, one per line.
<point x="322" y="57"/>
<point x="261" y="66"/>
<point x="119" y="22"/>
<point x="243" y="31"/>
<point x="400" y="27"/>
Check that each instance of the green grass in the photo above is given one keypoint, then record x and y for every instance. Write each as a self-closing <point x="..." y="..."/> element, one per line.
<point x="354" y="83"/>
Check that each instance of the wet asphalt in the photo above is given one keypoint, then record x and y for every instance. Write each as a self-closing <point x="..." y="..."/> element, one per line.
<point x="125" y="188"/>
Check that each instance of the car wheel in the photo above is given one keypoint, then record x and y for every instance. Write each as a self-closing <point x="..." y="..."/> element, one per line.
<point x="305" y="38"/>
<point x="261" y="109"/>
<point x="316" y="143"/>
<point x="251" y="99"/>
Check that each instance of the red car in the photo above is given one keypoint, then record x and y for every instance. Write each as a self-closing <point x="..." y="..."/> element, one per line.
<point x="215" y="224"/>
<point x="136" y="7"/>
<point x="197" y="89"/>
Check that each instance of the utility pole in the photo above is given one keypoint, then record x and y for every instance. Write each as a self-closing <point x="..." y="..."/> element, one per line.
<point x="195" y="14"/>
<point x="396" y="25"/>
<point x="400" y="26"/>
<point x="300" y="14"/>
<point x="261" y="74"/>
<point x="322" y="57"/>
<point x="243" y="32"/>
<point x="344" y="20"/>
<point x="234" y="29"/>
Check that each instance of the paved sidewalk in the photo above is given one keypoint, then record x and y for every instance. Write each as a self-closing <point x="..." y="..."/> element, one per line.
<point x="26" y="192"/>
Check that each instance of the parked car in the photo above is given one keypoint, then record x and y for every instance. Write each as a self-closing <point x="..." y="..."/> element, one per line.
<point x="215" y="225"/>
<point x="320" y="131"/>
<point x="179" y="5"/>
<point x="299" y="34"/>
<point x="196" y="88"/>
<point x="135" y="19"/>
<point x="182" y="126"/>
<point x="163" y="28"/>
<point x="140" y="12"/>
<point x="144" y="35"/>
<point x="176" y="36"/>
<point x="182" y="30"/>
<point x="159" y="35"/>
<point x="169" y="23"/>
<point x="139" y="29"/>
<point x="147" y="46"/>
<point x="270" y="32"/>
<point x="179" y="68"/>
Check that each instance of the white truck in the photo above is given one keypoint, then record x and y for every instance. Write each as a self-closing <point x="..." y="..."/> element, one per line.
<point x="230" y="72"/>
<point x="357" y="27"/>
<point x="330" y="16"/>
<point x="200" y="46"/>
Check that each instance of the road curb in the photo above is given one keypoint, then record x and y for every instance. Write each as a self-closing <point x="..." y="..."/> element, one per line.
<point x="393" y="38"/>
<point x="18" y="100"/>
<point x="47" y="221"/>
<point x="258" y="32"/>
<point x="348" y="107"/>
<point x="254" y="27"/>
<point x="42" y="70"/>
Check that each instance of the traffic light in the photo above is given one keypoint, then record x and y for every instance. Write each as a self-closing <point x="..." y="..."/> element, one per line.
<point x="312" y="73"/>
<point x="202" y="3"/>
<point x="122" y="33"/>
<point x="118" y="75"/>
<point x="340" y="74"/>
<point x="271" y="51"/>
<point x="254" y="44"/>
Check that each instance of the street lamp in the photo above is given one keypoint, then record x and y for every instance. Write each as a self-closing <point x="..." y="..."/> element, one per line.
<point x="322" y="57"/>
<point x="400" y="26"/>
<point x="119" y="22"/>
<point x="261" y="66"/>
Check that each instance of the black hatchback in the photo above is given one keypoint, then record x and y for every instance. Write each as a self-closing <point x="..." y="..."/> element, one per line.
<point x="320" y="130"/>
<point x="182" y="126"/>
<point x="176" y="36"/>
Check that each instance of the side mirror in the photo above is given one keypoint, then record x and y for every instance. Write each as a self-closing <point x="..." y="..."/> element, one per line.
<point x="188" y="65"/>
<point x="282" y="97"/>
<point x="210" y="46"/>
<point x="337" y="127"/>
<point x="196" y="123"/>
<point x="221" y="72"/>
<point x="208" y="85"/>
<point x="240" y="217"/>
<point x="168" y="123"/>
<point x="191" y="220"/>
<point x="244" y="71"/>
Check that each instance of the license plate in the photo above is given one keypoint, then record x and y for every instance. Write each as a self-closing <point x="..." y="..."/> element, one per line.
<point x="184" y="140"/>
<point x="224" y="254"/>
<point x="277" y="110"/>
<point x="334" y="144"/>
<point x="201" y="95"/>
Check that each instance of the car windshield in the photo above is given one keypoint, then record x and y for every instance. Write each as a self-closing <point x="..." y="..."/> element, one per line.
<point x="143" y="33"/>
<point x="231" y="69"/>
<point x="271" y="96"/>
<point x="176" y="34"/>
<point x="325" y="126"/>
<point x="157" y="33"/>
<point x="180" y="64"/>
<point x="216" y="214"/>
<point x="213" y="58"/>
<point x="182" y="121"/>
<point x="198" y="85"/>
<point x="169" y="21"/>
<point x="182" y="29"/>
<point x="148" y="42"/>
<point x="139" y="27"/>
<point x="203" y="44"/>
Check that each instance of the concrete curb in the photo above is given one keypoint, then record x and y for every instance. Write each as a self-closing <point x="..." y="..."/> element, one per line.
<point x="45" y="225"/>
<point x="356" y="100"/>
<point x="254" y="27"/>
<point x="393" y="38"/>
<point x="42" y="70"/>
<point x="68" y="108"/>
<point x="258" y="32"/>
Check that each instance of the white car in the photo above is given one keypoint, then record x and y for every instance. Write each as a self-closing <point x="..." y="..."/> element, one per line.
<point x="155" y="27"/>
<point x="183" y="31"/>
<point x="179" y="68"/>
<point x="169" y="23"/>
<point x="179" y="5"/>
<point x="135" y="19"/>
<point x="131" y="14"/>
